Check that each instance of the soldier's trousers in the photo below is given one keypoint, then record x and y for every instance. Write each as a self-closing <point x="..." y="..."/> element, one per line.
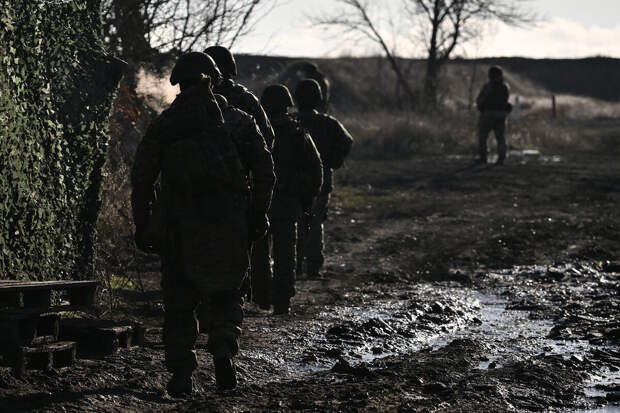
<point x="278" y="284"/>
<point x="492" y="121"/>
<point x="260" y="273"/>
<point x="222" y="313"/>
<point x="284" y="241"/>
<point x="315" y="239"/>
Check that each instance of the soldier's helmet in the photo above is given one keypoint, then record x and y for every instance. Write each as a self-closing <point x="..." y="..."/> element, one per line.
<point x="308" y="67"/>
<point x="276" y="99"/>
<point x="191" y="67"/>
<point x="224" y="59"/>
<point x="308" y="93"/>
<point x="495" y="72"/>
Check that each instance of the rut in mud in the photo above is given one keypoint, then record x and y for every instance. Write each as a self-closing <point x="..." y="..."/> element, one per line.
<point x="446" y="287"/>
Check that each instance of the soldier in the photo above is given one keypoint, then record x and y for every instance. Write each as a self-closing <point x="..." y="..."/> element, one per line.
<point x="492" y="102"/>
<point x="334" y="144"/>
<point x="309" y="70"/>
<point x="299" y="176"/>
<point x="240" y="123"/>
<point x="236" y="94"/>
<point x="206" y="220"/>
<point x="241" y="98"/>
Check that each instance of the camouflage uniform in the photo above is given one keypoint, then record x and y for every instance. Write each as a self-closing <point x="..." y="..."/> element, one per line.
<point x="240" y="123"/>
<point x="332" y="141"/>
<point x="492" y="102"/>
<point x="241" y="98"/>
<point x="299" y="176"/>
<point x="204" y="253"/>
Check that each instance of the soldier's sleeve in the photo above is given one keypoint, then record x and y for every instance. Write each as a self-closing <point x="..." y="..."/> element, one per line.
<point x="260" y="162"/>
<point x="507" y="91"/>
<point x="313" y="163"/>
<point x="144" y="173"/>
<point x="343" y="141"/>
<point x="482" y="97"/>
<point x="262" y="121"/>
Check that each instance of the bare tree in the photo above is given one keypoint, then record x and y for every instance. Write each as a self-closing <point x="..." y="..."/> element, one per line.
<point x="448" y="23"/>
<point x="138" y="29"/>
<point x="356" y="18"/>
<point x="444" y="24"/>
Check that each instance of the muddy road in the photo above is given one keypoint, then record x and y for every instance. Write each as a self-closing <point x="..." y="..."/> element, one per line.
<point x="447" y="288"/>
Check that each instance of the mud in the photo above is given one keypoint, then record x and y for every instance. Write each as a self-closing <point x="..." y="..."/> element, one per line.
<point x="447" y="288"/>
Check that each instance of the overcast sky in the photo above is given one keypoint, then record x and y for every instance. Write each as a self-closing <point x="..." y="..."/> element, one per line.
<point x="570" y="28"/>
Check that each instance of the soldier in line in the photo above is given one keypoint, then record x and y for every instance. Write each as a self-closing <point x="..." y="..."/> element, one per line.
<point x="309" y="70"/>
<point x="334" y="144"/>
<point x="236" y="94"/>
<point x="207" y="221"/>
<point x="241" y="98"/>
<point x="492" y="102"/>
<point x="299" y="176"/>
<point x="300" y="71"/>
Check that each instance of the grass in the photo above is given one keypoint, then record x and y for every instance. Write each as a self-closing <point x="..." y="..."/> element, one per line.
<point x="361" y="197"/>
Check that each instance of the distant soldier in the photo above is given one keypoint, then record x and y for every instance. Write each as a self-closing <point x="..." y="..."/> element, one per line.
<point x="334" y="144"/>
<point x="492" y="102"/>
<point x="309" y="70"/>
<point x="299" y="176"/>
<point x="205" y="223"/>
<point x="236" y="94"/>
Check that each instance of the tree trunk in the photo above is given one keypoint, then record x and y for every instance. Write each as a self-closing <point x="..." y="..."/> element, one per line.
<point x="431" y="82"/>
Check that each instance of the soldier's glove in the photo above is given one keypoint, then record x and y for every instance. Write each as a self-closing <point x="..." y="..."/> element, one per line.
<point x="259" y="225"/>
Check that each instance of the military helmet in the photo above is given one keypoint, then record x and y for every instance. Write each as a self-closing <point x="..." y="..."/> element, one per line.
<point x="308" y="93"/>
<point x="308" y="67"/>
<point x="224" y="59"/>
<point x="495" y="72"/>
<point x="276" y="98"/>
<point x="192" y="65"/>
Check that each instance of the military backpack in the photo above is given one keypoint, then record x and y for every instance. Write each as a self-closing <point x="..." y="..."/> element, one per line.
<point x="203" y="174"/>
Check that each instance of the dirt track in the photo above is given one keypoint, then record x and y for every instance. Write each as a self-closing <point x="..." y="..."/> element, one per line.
<point x="447" y="288"/>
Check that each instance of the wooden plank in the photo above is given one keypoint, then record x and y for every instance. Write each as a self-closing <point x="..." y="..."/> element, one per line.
<point x="8" y="285"/>
<point x="20" y="313"/>
<point x="43" y="357"/>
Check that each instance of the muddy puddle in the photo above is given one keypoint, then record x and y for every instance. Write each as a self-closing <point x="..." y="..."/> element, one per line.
<point x="346" y="335"/>
<point x="505" y="319"/>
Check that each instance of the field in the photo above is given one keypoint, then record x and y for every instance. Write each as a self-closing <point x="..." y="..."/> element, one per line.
<point x="447" y="287"/>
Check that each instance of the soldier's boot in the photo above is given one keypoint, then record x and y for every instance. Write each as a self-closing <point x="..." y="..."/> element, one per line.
<point x="281" y="306"/>
<point x="180" y="384"/>
<point x="225" y="374"/>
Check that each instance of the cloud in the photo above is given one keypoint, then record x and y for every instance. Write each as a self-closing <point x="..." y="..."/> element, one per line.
<point x="556" y="38"/>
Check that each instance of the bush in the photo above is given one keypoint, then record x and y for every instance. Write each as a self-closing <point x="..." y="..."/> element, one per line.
<point x="56" y="89"/>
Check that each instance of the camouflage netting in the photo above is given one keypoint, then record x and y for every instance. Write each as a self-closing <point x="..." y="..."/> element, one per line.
<point x="56" y="90"/>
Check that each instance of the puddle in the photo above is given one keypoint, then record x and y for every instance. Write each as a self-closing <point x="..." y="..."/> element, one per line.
<point x="432" y="316"/>
<point x="409" y="322"/>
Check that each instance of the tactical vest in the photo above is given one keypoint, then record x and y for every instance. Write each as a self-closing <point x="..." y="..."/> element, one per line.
<point x="289" y="153"/>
